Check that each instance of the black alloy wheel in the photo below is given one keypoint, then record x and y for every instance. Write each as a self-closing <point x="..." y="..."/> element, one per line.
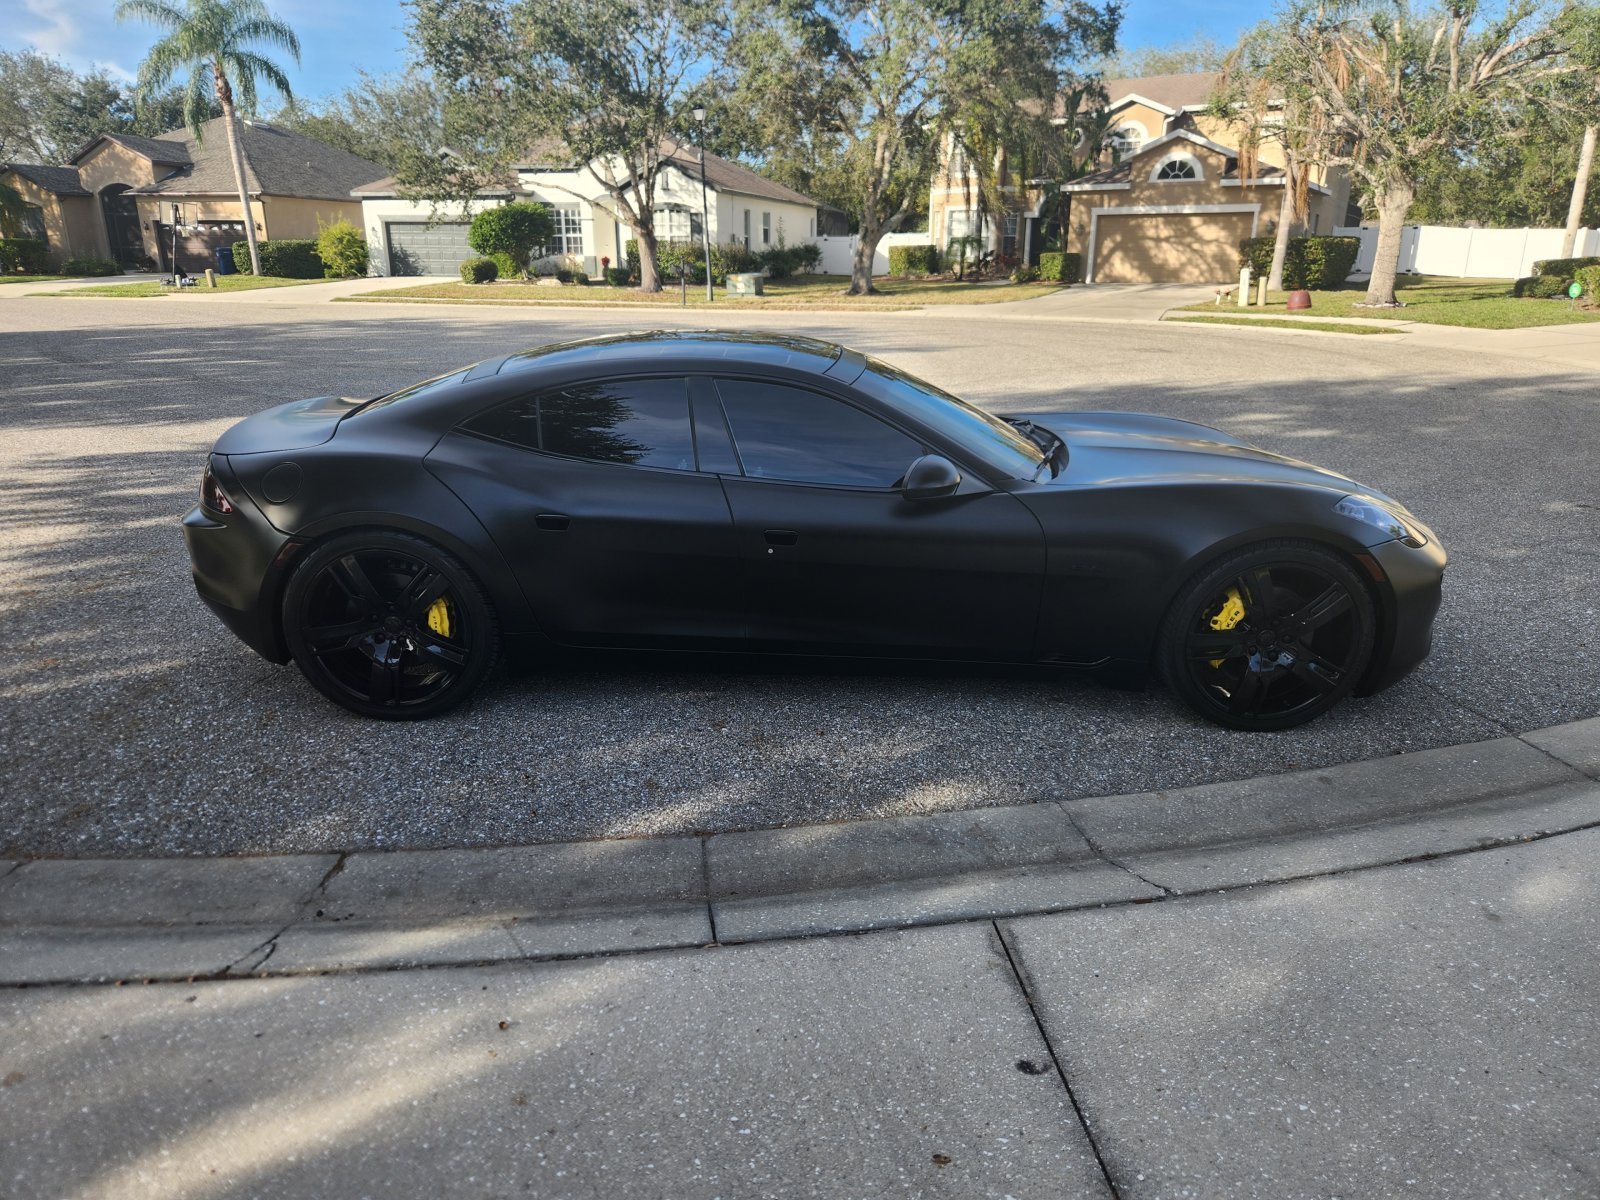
<point x="389" y="626"/>
<point x="1269" y="638"/>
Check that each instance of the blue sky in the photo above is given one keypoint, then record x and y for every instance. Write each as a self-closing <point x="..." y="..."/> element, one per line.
<point x="338" y="37"/>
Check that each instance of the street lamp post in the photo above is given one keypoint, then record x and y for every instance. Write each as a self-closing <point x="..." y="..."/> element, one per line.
<point x="705" y="214"/>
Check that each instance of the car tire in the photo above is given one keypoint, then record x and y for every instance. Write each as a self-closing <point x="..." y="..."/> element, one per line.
<point x="1268" y="637"/>
<point x="388" y="625"/>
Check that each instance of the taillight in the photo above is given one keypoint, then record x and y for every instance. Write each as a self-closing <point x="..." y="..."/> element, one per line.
<point x="211" y="493"/>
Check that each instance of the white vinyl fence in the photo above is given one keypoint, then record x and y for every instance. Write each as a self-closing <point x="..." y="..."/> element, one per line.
<point x="838" y="253"/>
<point x="1470" y="253"/>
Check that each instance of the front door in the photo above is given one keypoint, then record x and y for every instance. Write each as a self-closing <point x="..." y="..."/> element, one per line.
<point x="122" y="225"/>
<point x="593" y="494"/>
<point x="838" y="561"/>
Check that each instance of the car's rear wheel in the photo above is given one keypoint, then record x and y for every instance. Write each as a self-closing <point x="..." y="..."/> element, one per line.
<point x="1270" y="637"/>
<point x="389" y="625"/>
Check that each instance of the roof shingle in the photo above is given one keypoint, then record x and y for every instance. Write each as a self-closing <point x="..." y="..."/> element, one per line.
<point x="63" y="181"/>
<point x="276" y="163"/>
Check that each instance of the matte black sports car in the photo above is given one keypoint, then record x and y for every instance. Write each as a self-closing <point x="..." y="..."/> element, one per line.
<point x="766" y="493"/>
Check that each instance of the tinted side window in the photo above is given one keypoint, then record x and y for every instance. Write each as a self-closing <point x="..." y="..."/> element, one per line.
<point x="642" y="422"/>
<point x="786" y="433"/>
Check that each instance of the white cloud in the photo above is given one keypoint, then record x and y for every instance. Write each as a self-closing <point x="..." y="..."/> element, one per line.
<point x="58" y="34"/>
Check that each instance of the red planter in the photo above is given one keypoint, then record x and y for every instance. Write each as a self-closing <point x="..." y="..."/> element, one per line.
<point x="1299" y="300"/>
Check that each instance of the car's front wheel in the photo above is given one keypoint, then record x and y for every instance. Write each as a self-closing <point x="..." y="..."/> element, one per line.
<point x="389" y="625"/>
<point x="1270" y="637"/>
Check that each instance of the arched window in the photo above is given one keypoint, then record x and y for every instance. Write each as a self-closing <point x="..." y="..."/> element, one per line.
<point x="1125" y="140"/>
<point x="1177" y="170"/>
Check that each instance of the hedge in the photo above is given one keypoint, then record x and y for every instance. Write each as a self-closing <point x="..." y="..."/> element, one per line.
<point x="27" y="255"/>
<point x="1540" y="287"/>
<point x="727" y="258"/>
<point x="1589" y="278"/>
<point x="480" y="270"/>
<point x="914" y="260"/>
<point x="1566" y="268"/>
<point x="1310" y="262"/>
<point x="91" y="266"/>
<point x="285" y="258"/>
<point x="343" y="250"/>
<point x="1057" y="266"/>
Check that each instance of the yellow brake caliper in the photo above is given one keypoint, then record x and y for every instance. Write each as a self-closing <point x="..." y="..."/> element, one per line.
<point x="439" y="617"/>
<point x="1231" y="614"/>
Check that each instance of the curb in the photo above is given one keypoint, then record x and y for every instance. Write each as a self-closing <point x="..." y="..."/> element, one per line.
<point x="104" y="920"/>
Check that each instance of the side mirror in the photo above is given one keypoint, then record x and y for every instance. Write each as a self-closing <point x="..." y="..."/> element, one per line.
<point x="930" y="477"/>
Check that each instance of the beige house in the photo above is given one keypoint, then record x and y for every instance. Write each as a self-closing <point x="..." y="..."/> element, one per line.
<point x="1169" y="204"/>
<point x="121" y="195"/>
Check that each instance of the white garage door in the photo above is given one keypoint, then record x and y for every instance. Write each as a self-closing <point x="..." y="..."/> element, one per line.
<point x="417" y="248"/>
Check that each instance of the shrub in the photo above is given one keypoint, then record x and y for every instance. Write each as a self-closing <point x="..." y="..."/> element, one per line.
<point x="1310" y="262"/>
<point x="779" y="262"/>
<point x="618" y="276"/>
<point x="27" y="255"/>
<point x="287" y="258"/>
<point x="508" y="266"/>
<point x="1540" y="287"/>
<point x="91" y="266"/>
<point x="1022" y="273"/>
<point x="914" y="260"/>
<point x="1057" y="266"/>
<point x="342" y="248"/>
<point x="517" y="229"/>
<point x="1589" y="278"/>
<point x="479" y="270"/>
<point x="1564" y="267"/>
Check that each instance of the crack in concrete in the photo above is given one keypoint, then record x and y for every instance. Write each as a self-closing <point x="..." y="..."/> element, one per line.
<point x="1013" y="957"/>
<point x="1556" y="758"/>
<point x="12" y="870"/>
<point x="271" y="944"/>
<point x="1106" y="858"/>
<point x="705" y="884"/>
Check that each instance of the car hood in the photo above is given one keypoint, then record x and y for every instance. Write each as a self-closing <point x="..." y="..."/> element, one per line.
<point x="1109" y="449"/>
<point x="292" y="426"/>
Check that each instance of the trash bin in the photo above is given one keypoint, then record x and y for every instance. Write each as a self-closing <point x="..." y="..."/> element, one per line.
<point x="745" y="284"/>
<point x="225" y="261"/>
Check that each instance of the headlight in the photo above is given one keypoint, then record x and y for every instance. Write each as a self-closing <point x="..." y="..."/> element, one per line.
<point x="1370" y="512"/>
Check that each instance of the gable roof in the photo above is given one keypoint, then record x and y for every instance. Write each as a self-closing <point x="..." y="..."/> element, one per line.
<point x="168" y="148"/>
<point x="276" y="163"/>
<point x="63" y="181"/>
<point x="1168" y="93"/>
<point x="1121" y="175"/>
<point x="724" y="175"/>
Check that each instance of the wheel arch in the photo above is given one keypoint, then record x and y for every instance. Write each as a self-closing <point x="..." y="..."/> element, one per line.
<point x="491" y="572"/>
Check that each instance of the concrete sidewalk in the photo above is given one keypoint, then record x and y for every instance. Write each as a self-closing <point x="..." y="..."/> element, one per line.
<point x="1426" y="1030"/>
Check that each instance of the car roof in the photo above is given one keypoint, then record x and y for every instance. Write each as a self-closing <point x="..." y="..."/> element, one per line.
<point x="659" y="346"/>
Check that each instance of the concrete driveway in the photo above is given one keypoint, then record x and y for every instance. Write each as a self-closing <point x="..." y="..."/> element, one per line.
<point x="131" y="722"/>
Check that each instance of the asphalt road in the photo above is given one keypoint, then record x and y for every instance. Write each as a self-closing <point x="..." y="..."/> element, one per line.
<point x="131" y="722"/>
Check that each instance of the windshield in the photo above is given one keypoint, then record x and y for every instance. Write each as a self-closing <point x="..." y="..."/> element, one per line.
<point x="1000" y="445"/>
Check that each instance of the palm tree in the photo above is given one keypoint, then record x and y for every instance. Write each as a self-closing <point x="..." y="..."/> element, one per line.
<point x="211" y="38"/>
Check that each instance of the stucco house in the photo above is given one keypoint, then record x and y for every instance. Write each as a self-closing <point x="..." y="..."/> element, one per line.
<point x="1168" y="206"/>
<point x="412" y="237"/>
<point x="120" y="196"/>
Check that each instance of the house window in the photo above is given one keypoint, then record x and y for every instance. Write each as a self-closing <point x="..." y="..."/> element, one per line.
<point x="766" y="229"/>
<point x="1008" y="235"/>
<point x="1177" y="169"/>
<point x="678" y="224"/>
<point x="747" y="229"/>
<point x="32" y="224"/>
<point x="568" y="237"/>
<point x="811" y="227"/>
<point x="1125" y="140"/>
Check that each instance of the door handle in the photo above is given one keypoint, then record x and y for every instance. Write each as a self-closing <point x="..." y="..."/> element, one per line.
<point x="556" y="521"/>
<point x="782" y="537"/>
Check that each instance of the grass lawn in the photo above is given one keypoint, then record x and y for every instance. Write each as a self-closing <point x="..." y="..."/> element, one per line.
<point x="35" y="278"/>
<point x="818" y="292"/>
<point x="1281" y="323"/>
<point x="1436" y="300"/>
<point x="225" y="283"/>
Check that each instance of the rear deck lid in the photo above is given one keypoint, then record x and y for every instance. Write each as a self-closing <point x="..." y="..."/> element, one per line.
<point x="292" y="426"/>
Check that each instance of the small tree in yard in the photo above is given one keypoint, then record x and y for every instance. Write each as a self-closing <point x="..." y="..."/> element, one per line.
<point x="342" y="248"/>
<point x="215" y="41"/>
<point x="1390" y="87"/>
<point x="516" y="230"/>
